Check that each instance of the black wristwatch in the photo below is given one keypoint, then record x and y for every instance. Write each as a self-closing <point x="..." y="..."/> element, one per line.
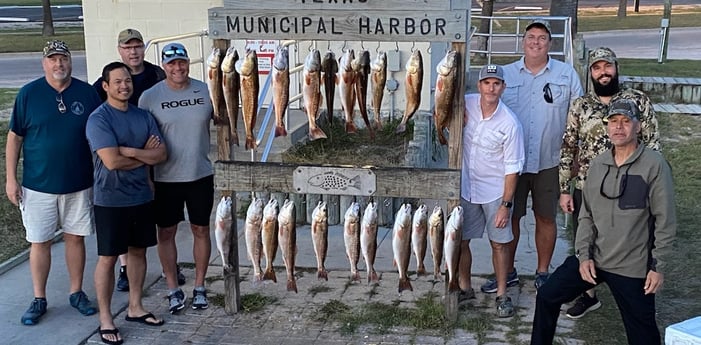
<point x="507" y="204"/>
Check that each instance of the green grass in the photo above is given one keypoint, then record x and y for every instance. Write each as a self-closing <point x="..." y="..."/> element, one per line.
<point x="671" y="68"/>
<point x="31" y="40"/>
<point x="7" y="98"/>
<point x="11" y="229"/>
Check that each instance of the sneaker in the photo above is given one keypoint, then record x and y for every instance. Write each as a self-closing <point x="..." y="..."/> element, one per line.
<point x="504" y="306"/>
<point x="199" y="299"/>
<point x="36" y="310"/>
<point x="123" y="281"/>
<point x="491" y="285"/>
<point x="181" y="276"/>
<point x="466" y="295"/>
<point x="582" y="306"/>
<point x="176" y="300"/>
<point x="79" y="300"/>
<point x="540" y="279"/>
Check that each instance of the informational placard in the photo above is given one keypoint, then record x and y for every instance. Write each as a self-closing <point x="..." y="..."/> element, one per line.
<point x="265" y="50"/>
<point x="406" y="26"/>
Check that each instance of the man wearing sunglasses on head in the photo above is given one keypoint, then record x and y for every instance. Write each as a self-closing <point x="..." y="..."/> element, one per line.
<point x="585" y="138"/>
<point x="539" y="91"/>
<point x="183" y="109"/>
<point x="131" y="49"/>
<point x="626" y="229"/>
<point x="48" y="125"/>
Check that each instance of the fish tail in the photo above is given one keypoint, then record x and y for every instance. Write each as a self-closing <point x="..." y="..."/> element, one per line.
<point x="280" y="131"/>
<point x="378" y="122"/>
<point x="437" y="275"/>
<point x="405" y="284"/>
<point x="270" y="275"/>
<point x="292" y="285"/>
<point x="250" y="143"/>
<point x="355" y="276"/>
<point x="401" y="128"/>
<point x="329" y="115"/>
<point x="421" y="270"/>
<point x="316" y="133"/>
<point x="350" y="127"/>
<point x="372" y="277"/>
<point x="322" y="274"/>
<point x="234" y="139"/>
<point x="453" y="285"/>
<point x="372" y="132"/>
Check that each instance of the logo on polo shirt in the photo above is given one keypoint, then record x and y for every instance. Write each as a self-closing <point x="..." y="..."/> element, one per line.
<point x="77" y="108"/>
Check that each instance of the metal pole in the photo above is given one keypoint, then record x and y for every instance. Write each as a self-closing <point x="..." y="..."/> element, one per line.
<point x="666" y="23"/>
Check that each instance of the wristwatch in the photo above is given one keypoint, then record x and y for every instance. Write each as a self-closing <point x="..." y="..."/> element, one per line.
<point x="507" y="204"/>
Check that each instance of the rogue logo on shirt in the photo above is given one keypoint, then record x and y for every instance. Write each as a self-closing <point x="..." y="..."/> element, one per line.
<point x="182" y="103"/>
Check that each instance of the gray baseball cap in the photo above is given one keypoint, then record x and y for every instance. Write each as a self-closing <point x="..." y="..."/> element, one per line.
<point x="491" y="71"/>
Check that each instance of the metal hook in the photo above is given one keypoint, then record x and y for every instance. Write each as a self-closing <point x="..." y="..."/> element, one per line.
<point x="377" y="50"/>
<point x="396" y="45"/>
<point x="413" y="46"/>
<point x="387" y="202"/>
<point x="343" y="49"/>
<point x="311" y="45"/>
<point x="328" y="45"/>
<point x="362" y="47"/>
<point x="428" y="50"/>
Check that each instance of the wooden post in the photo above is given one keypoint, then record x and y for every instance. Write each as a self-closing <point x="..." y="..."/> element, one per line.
<point x="455" y="158"/>
<point x="232" y="297"/>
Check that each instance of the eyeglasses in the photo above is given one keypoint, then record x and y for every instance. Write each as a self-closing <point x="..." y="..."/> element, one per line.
<point x="61" y="105"/>
<point x="624" y="183"/>
<point x="547" y="94"/>
<point x="174" y="52"/>
<point x="135" y="47"/>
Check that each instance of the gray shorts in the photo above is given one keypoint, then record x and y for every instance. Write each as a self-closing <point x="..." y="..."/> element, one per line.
<point x="44" y="213"/>
<point x="480" y="217"/>
<point x="545" y="193"/>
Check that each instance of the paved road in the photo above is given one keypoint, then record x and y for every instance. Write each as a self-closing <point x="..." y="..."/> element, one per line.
<point x="20" y="68"/>
<point x="35" y="13"/>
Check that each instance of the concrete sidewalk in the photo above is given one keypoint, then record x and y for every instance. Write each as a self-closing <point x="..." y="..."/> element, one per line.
<point x="292" y="319"/>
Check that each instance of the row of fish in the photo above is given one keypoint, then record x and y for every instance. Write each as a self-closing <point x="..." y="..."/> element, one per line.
<point x="234" y="82"/>
<point x="271" y="226"/>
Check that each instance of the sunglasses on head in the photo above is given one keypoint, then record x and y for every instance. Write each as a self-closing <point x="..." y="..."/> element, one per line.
<point x="174" y="52"/>
<point x="547" y="94"/>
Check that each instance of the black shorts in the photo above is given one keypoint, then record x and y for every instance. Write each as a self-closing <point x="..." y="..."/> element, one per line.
<point x="119" y="228"/>
<point x="197" y="196"/>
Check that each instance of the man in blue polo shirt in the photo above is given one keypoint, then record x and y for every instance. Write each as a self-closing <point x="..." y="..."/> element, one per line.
<point x="48" y="124"/>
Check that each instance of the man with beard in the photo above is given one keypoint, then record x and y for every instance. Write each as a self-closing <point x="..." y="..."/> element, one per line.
<point x="585" y="138"/>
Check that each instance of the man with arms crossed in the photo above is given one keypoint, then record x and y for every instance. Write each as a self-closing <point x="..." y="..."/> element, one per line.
<point x="492" y="158"/>
<point x="183" y="110"/>
<point x="48" y="122"/>
<point x="539" y="91"/>
<point x="626" y="230"/>
<point x="125" y="141"/>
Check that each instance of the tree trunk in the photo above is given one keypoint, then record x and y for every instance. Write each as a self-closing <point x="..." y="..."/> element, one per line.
<point x="487" y="11"/>
<point x="48" y="27"/>
<point x="562" y="8"/>
<point x="622" y="8"/>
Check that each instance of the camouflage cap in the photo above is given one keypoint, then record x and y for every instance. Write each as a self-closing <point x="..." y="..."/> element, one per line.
<point x="540" y="23"/>
<point x="56" y="47"/>
<point x="602" y="54"/>
<point x="127" y="35"/>
<point x="623" y="107"/>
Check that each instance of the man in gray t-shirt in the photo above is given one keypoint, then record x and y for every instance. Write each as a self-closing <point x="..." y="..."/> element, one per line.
<point x="183" y="111"/>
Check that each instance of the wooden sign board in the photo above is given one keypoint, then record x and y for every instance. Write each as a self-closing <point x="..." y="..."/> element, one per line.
<point x="338" y="25"/>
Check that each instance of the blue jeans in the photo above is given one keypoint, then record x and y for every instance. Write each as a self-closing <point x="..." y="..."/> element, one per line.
<point x="566" y="284"/>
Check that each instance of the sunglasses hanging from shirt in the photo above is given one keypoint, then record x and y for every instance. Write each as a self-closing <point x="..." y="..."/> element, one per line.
<point x="547" y="94"/>
<point x="61" y="105"/>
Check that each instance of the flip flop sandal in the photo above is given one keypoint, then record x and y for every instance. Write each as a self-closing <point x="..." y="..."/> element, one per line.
<point x="115" y="332"/>
<point x="145" y="319"/>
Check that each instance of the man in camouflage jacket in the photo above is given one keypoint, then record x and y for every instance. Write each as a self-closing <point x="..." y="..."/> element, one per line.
<point x="585" y="138"/>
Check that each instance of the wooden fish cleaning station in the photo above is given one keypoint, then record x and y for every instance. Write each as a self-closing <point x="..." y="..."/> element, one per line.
<point x="342" y="20"/>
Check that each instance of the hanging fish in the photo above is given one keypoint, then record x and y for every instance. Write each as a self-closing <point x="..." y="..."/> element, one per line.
<point x="222" y="230"/>
<point x="214" y="85"/>
<point x="231" y="85"/>
<point x="311" y="92"/>
<point x="320" y="238"/>
<point x="361" y="67"/>
<point x="281" y="88"/>
<point x="287" y="238"/>
<point x="329" y="67"/>
<point x="436" y="235"/>
<point x="269" y="235"/>
<point x="419" y="231"/>
<point x="346" y="88"/>
<point x="368" y="240"/>
<point x="412" y="85"/>
<point x="378" y="80"/>
<point x="445" y="93"/>
<point x="250" y="87"/>
<point x="401" y="245"/>
<point x="451" y="245"/>
<point x="254" y="240"/>
<point x="351" y="238"/>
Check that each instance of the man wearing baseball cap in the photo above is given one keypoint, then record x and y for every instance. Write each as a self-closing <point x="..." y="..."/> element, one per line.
<point x="131" y="49"/>
<point x="183" y="109"/>
<point x="493" y="156"/>
<point x="627" y="226"/>
<point x="48" y="127"/>
<point x="539" y="90"/>
<point x="585" y="138"/>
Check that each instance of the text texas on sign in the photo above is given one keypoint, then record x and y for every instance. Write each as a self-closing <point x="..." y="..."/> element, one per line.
<point x="441" y="26"/>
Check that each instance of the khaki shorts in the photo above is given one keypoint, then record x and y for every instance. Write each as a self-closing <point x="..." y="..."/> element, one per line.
<point x="545" y="193"/>
<point x="43" y="214"/>
<point x="480" y="217"/>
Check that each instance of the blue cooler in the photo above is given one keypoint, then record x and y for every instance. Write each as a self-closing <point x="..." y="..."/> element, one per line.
<point x="684" y="333"/>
